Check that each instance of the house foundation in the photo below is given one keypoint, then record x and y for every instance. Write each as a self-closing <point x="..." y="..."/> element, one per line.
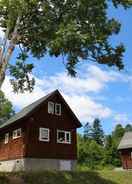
<point x="35" y="164"/>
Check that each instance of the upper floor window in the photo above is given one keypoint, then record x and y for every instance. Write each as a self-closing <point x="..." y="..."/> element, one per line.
<point x="17" y="133"/>
<point x="6" y="138"/>
<point x="63" y="136"/>
<point x="54" y="108"/>
<point x="44" y="134"/>
<point x="58" y="109"/>
<point x="51" y="107"/>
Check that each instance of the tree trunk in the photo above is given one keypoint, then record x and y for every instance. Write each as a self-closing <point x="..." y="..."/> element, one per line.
<point x="5" y="57"/>
<point x="3" y="65"/>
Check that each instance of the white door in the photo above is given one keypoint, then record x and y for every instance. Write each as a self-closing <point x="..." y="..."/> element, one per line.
<point x="65" y="165"/>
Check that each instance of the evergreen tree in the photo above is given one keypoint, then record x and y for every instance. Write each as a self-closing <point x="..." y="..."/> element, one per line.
<point x="95" y="155"/>
<point x="95" y="151"/>
<point x="97" y="132"/>
<point x="87" y="131"/>
<point x="108" y="157"/>
<point x="6" y="109"/>
<point x="108" y="141"/>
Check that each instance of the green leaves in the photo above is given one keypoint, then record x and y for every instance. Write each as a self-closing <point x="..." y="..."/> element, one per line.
<point x="21" y="72"/>
<point x="77" y="29"/>
<point x="6" y="110"/>
<point x="124" y="3"/>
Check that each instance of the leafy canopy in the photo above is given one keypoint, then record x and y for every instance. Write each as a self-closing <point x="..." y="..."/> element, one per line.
<point x="6" y="110"/>
<point x="97" y="150"/>
<point x="75" y="29"/>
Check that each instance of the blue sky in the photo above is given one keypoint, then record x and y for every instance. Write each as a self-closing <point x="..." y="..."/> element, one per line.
<point x="98" y="91"/>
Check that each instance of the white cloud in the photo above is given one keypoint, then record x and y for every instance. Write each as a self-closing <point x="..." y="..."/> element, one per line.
<point x="100" y="75"/>
<point x="87" y="109"/>
<point x="122" y="119"/>
<point x="75" y="91"/>
<point x="92" y="79"/>
<point x="21" y="100"/>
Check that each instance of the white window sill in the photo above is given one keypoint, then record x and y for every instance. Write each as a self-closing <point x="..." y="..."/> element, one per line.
<point x="63" y="142"/>
<point x="16" y="137"/>
<point x="42" y="140"/>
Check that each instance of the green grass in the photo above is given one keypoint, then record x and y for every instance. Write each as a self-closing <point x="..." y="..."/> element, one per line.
<point x="77" y="177"/>
<point x="122" y="177"/>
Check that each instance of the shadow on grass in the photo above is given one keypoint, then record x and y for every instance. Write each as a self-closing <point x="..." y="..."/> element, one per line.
<point x="3" y="179"/>
<point x="64" y="178"/>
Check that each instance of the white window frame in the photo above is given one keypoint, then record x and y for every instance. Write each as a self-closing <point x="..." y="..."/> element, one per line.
<point x="49" y="110"/>
<point x="6" y="138"/>
<point x="65" y="134"/>
<point x="41" y="136"/>
<point x="15" y="133"/>
<point x="131" y="155"/>
<point x="57" y="104"/>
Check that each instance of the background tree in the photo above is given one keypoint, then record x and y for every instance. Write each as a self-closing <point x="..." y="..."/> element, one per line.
<point x="76" y="30"/>
<point x="83" y="147"/>
<point x="111" y="155"/>
<point x="96" y="150"/>
<point x="111" y="143"/>
<point x="90" y="154"/>
<point x="87" y="131"/>
<point x="108" y="158"/>
<point x="118" y="133"/>
<point x="97" y="132"/>
<point x="128" y="128"/>
<point x="6" y="109"/>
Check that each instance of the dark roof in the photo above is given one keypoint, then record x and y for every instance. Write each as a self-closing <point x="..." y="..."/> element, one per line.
<point x="126" y="141"/>
<point x="29" y="109"/>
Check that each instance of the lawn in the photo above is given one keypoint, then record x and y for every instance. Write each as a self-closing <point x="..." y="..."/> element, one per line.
<point x="48" y="177"/>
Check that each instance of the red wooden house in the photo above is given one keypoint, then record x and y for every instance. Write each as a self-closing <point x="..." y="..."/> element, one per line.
<point x="125" y="150"/>
<point x="41" y="136"/>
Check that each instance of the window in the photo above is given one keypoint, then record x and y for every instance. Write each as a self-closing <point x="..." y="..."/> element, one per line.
<point x="131" y="155"/>
<point x="63" y="136"/>
<point x="44" y="134"/>
<point x="51" y="107"/>
<point x="17" y="133"/>
<point x="54" y="108"/>
<point x="6" y="138"/>
<point x="58" y="109"/>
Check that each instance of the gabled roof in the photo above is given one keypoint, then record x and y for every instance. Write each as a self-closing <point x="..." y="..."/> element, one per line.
<point x="30" y="108"/>
<point x="126" y="141"/>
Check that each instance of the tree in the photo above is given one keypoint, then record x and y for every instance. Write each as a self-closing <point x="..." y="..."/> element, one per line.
<point x="108" y="158"/>
<point x="82" y="148"/>
<point x="95" y="155"/>
<point x="128" y="128"/>
<point x="111" y="156"/>
<point x="87" y="131"/>
<point x="97" y="132"/>
<point x="118" y="133"/>
<point x="96" y="150"/>
<point x="6" y="110"/>
<point x="108" y="141"/>
<point x="75" y="29"/>
<point x="90" y="153"/>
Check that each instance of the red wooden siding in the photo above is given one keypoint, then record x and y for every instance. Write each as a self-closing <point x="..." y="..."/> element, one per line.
<point x="126" y="158"/>
<point x="15" y="148"/>
<point x="51" y="149"/>
<point x="29" y="145"/>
